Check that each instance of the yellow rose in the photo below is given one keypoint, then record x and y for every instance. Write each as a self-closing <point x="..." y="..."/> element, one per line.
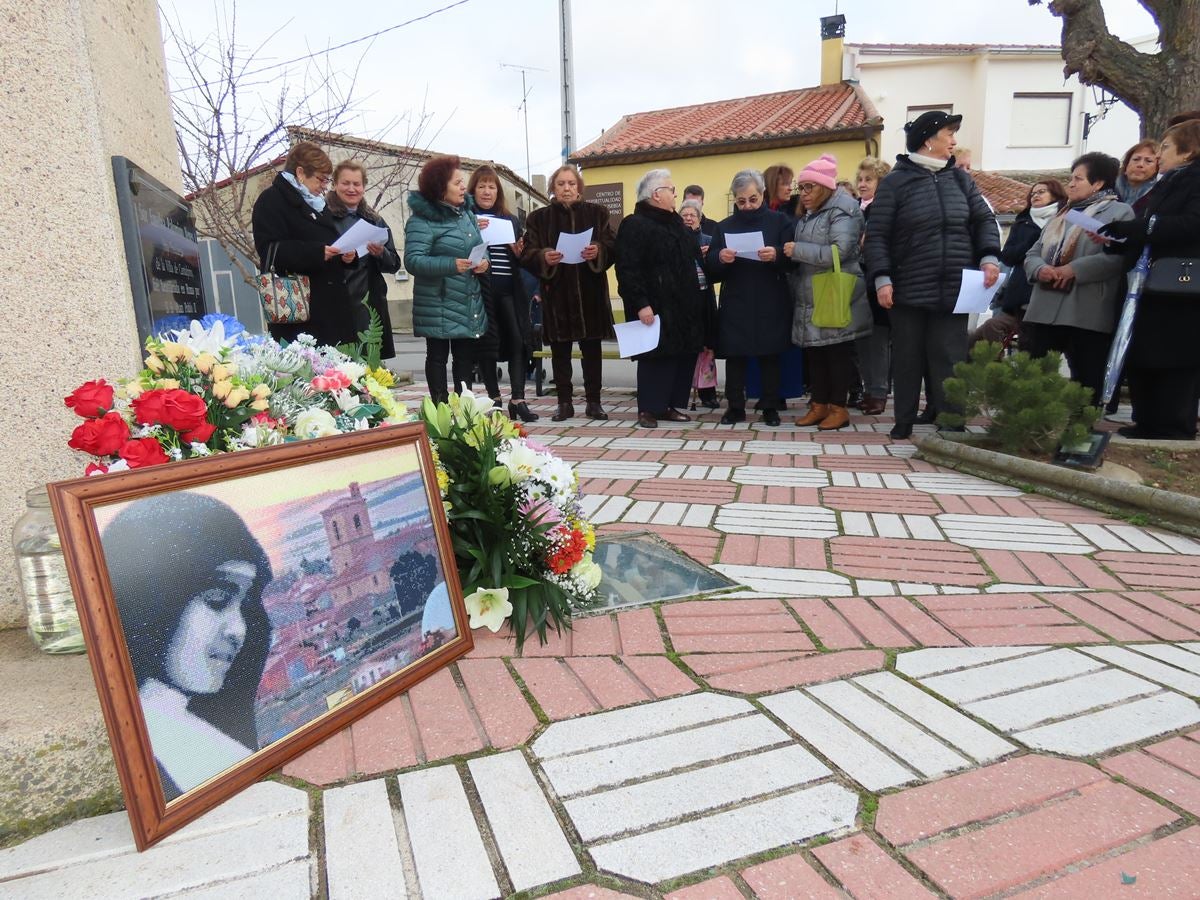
<point x="260" y="405"/>
<point x="175" y="352"/>
<point x="260" y="392"/>
<point x="237" y="396"/>
<point x="168" y="384"/>
<point x="221" y="389"/>
<point x="222" y="372"/>
<point x="154" y="364"/>
<point x="132" y="389"/>
<point x="205" y="362"/>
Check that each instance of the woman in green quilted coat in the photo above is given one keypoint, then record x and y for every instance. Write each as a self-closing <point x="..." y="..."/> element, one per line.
<point x="447" y="298"/>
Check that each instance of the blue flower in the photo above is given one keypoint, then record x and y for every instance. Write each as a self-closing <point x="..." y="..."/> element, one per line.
<point x="232" y="325"/>
<point x="163" y="327"/>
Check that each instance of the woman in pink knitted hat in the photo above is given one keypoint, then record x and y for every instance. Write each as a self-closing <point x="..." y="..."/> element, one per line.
<point x="831" y="218"/>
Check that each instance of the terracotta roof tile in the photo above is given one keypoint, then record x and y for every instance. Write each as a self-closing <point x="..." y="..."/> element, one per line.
<point x="804" y="112"/>
<point x="1007" y="195"/>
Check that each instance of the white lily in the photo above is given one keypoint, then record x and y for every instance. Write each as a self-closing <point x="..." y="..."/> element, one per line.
<point x="205" y="340"/>
<point x="488" y="608"/>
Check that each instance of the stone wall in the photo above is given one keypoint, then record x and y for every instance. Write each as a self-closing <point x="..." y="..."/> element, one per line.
<point x="84" y="80"/>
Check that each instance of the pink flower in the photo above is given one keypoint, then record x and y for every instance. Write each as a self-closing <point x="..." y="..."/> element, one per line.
<point x="333" y="380"/>
<point x="541" y="511"/>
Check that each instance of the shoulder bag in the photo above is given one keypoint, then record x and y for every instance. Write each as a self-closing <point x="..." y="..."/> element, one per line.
<point x="286" y="299"/>
<point x="1175" y="275"/>
<point x="831" y="295"/>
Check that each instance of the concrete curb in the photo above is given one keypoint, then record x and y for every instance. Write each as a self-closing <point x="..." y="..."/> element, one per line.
<point x="1178" y="512"/>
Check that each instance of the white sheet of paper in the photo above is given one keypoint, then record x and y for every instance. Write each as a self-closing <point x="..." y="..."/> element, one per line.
<point x="745" y="243"/>
<point x="973" y="297"/>
<point x="571" y="245"/>
<point x="360" y="234"/>
<point x="1088" y="223"/>
<point x="634" y="337"/>
<point x="478" y="252"/>
<point x="498" y="231"/>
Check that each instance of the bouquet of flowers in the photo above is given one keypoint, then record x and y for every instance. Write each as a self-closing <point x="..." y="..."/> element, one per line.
<point x="523" y="545"/>
<point x="208" y="387"/>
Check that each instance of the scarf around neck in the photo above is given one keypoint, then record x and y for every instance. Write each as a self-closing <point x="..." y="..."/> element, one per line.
<point x="928" y="162"/>
<point x="317" y="203"/>
<point x="338" y="209"/>
<point x="1043" y="214"/>
<point x="1064" y="239"/>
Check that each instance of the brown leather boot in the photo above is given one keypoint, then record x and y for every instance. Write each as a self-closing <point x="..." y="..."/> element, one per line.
<point x="565" y="411"/>
<point x="816" y="414"/>
<point x="839" y="417"/>
<point x="873" y="406"/>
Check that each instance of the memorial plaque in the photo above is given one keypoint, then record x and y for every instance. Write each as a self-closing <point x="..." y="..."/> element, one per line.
<point x="609" y="195"/>
<point x="161" y="250"/>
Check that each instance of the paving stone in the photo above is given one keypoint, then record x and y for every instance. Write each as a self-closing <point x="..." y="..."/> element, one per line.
<point x="787" y="878"/>
<point x="720" y="888"/>
<point x="858" y="757"/>
<point x="781" y="582"/>
<point x="359" y="826"/>
<point x="447" y="847"/>
<point x="673" y="796"/>
<point x="774" y="519"/>
<point x="726" y="836"/>
<point x="784" y="448"/>
<point x="1152" y="570"/>
<point x="660" y="676"/>
<point x="1024" y="709"/>
<point x="590" y="892"/>
<point x="1179" y="752"/>
<point x="796" y="672"/>
<point x="907" y="560"/>
<point x="1006" y="854"/>
<point x="531" y="842"/>
<point x="1009" y="675"/>
<point x="1169" y="867"/>
<point x="327" y="762"/>
<point x="606" y="468"/>
<point x="829" y="625"/>
<point x="639" y="632"/>
<point x="1113" y="626"/>
<point x="607" y="729"/>
<point x="1152" y="669"/>
<point x="610" y="684"/>
<point x="1106" y="729"/>
<point x="613" y="765"/>
<point x="768" y="628"/>
<point x="443" y="719"/>
<point x="785" y="477"/>
<point x="959" y="485"/>
<point x="1013" y="533"/>
<point x="1152" y="774"/>
<point x="291" y="881"/>
<point x="1175" y="656"/>
<point x="946" y="722"/>
<point x="557" y="690"/>
<point x="865" y="870"/>
<point x="879" y="500"/>
<point x="915" y="621"/>
<point x="1027" y="781"/>
<point x="383" y="739"/>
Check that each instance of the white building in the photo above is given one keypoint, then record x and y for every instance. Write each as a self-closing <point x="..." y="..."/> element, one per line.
<point x="1019" y="113"/>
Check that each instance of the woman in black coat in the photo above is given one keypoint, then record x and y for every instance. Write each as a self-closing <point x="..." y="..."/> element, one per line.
<point x="755" y="313"/>
<point x="658" y="268"/>
<point x="364" y="276"/>
<point x="928" y="223"/>
<point x="1163" y="365"/>
<point x="291" y="216"/>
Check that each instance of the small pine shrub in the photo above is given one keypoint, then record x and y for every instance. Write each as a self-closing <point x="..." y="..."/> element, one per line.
<point x="1030" y="406"/>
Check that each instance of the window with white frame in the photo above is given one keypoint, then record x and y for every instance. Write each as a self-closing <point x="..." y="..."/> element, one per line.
<point x="1040" y="120"/>
<point x="911" y="113"/>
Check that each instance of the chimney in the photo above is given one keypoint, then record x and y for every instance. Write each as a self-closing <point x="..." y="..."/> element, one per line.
<point x="833" y="33"/>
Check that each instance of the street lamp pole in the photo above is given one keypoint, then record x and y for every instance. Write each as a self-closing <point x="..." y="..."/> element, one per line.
<point x="568" y="79"/>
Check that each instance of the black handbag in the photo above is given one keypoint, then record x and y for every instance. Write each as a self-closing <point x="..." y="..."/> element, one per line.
<point x="1179" y="275"/>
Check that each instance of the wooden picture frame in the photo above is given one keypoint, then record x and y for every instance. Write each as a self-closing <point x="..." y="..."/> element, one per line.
<point x="330" y="545"/>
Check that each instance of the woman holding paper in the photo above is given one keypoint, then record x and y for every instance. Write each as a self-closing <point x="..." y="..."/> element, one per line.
<point x="447" y="298"/>
<point x="928" y="223"/>
<point x="507" y="305"/>
<point x="755" y="313"/>
<point x="832" y="223"/>
<point x="575" y="304"/>
<point x="659" y="276"/>
<point x="1077" y="287"/>
<point x="364" y="276"/>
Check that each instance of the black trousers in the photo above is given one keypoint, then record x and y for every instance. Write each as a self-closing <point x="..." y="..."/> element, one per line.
<point x="1164" y="401"/>
<point x="735" y="381"/>
<point x="664" y="382"/>
<point x="1086" y="351"/>
<point x="504" y="309"/>
<point x="925" y="344"/>
<point x="437" y="351"/>
<point x="831" y="372"/>
<point x="560" y="358"/>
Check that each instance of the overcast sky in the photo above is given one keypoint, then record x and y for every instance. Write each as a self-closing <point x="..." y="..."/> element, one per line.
<point x="629" y="55"/>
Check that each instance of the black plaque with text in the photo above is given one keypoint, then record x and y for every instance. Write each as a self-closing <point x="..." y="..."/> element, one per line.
<point x="610" y="195"/>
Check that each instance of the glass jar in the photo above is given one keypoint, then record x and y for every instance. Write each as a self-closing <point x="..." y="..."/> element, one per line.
<point x="53" y="619"/>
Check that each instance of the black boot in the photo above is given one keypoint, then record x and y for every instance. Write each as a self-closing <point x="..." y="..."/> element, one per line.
<point x="519" y="409"/>
<point x="565" y="411"/>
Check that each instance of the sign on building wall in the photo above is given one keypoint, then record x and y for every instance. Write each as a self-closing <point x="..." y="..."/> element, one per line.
<point x="161" y="248"/>
<point x="610" y="195"/>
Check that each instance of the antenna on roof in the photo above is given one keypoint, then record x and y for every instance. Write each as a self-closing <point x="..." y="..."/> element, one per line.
<point x="525" y="92"/>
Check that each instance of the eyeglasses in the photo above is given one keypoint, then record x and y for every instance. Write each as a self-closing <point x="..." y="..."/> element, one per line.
<point x="1039" y="192"/>
<point x="806" y="188"/>
<point x="665" y="187"/>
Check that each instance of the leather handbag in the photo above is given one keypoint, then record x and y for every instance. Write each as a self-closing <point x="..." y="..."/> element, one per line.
<point x="832" y="292"/>
<point x="1178" y="275"/>
<point x="286" y="299"/>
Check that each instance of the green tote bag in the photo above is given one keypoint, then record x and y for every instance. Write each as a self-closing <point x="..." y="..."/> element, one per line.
<point x="831" y="295"/>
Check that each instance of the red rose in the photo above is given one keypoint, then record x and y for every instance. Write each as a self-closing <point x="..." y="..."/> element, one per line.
<point x="91" y="399"/>
<point x="142" y="452"/>
<point x="100" y="437"/>
<point x="95" y="469"/>
<point x="200" y="434"/>
<point x="174" y="408"/>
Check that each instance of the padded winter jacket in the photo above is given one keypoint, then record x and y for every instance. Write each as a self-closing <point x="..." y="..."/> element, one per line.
<point x="447" y="304"/>
<point x="925" y="228"/>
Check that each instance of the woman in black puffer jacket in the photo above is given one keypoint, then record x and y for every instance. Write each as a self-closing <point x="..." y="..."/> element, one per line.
<point x="928" y="223"/>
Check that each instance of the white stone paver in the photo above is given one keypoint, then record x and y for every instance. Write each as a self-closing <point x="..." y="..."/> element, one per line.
<point x="640" y="443"/>
<point x="778" y="581"/>
<point x="617" y="468"/>
<point x="699" y="515"/>
<point x="718" y="446"/>
<point x="712" y="840"/>
<point x="359" y="826"/>
<point x="1176" y="656"/>
<point x="854" y="754"/>
<point x="781" y="477"/>
<point x="777" y="519"/>
<point x="1179" y="543"/>
<point x="1010" y="675"/>
<point x="785" y="448"/>
<point x="1128" y="538"/>
<point x="291" y="881"/>
<point x="448" y="850"/>
<point x="858" y="524"/>
<point x="647" y="803"/>
<point x="611" y="510"/>
<point x="97" y="857"/>
<point x="947" y="723"/>
<point x="1012" y="533"/>
<point x="607" y="766"/>
<point x="959" y="485"/>
<point x="1107" y="729"/>
<point x="700" y="473"/>
<point x="531" y="842"/>
<point x="1024" y="709"/>
<point x="1132" y="661"/>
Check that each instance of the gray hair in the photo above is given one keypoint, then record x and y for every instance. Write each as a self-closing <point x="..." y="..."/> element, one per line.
<point x="655" y="178"/>
<point x="692" y="204"/>
<point x="745" y="178"/>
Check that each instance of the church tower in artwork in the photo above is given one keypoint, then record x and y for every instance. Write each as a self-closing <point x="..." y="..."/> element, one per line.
<point x="348" y="529"/>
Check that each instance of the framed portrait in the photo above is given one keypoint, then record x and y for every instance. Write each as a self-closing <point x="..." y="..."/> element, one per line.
<point x="239" y="609"/>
